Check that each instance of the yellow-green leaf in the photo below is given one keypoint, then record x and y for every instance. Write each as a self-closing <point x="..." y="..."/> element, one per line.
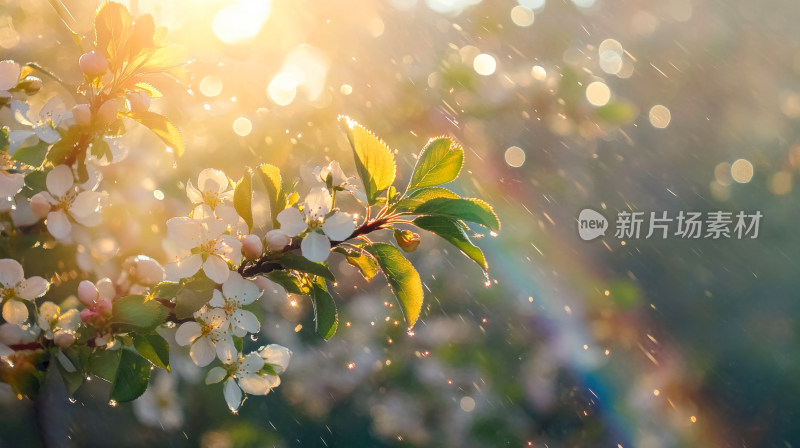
<point x="325" y="315"/>
<point x="271" y="176"/>
<point x="163" y="128"/>
<point x="374" y="160"/>
<point x="453" y="232"/>
<point x="243" y="198"/>
<point x="472" y="210"/>
<point x="421" y="196"/>
<point x="112" y="28"/>
<point x="402" y="277"/>
<point x="439" y="163"/>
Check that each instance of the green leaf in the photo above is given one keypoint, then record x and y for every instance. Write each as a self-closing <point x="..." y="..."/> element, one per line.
<point x="105" y="363"/>
<point x="4" y="139"/>
<point x="472" y="210"/>
<point x="271" y="176"/>
<point x="32" y="155"/>
<point x="166" y="290"/>
<point x="100" y="148"/>
<point x="153" y="348"/>
<point x="163" y="128"/>
<point x="439" y="163"/>
<point x="302" y="264"/>
<point x="402" y="277"/>
<point x="132" y="377"/>
<point x="243" y="198"/>
<point x="454" y="233"/>
<point x="35" y="181"/>
<point x="290" y="282"/>
<point x="421" y="196"/>
<point x="192" y="296"/>
<point x="374" y="160"/>
<point x="79" y="357"/>
<point x="325" y="314"/>
<point x="616" y="113"/>
<point x="112" y="26"/>
<point x="160" y="59"/>
<point x="137" y="314"/>
<point x="365" y="263"/>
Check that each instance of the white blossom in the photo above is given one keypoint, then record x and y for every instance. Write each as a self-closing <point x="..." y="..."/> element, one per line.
<point x="322" y="227"/>
<point x="52" y="321"/>
<point x="247" y="375"/>
<point x="68" y="201"/>
<point x="16" y="289"/>
<point x="208" y="337"/>
<point x="211" y="250"/>
<point x="10" y="72"/>
<point x="236" y="293"/>
<point x="42" y="125"/>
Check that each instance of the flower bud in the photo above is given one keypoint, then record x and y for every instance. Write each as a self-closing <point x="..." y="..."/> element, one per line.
<point x="138" y="101"/>
<point x="82" y="114"/>
<point x="106" y="289"/>
<point x="252" y="247"/>
<point x="93" y="64"/>
<point x="407" y="240"/>
<point x="104" y="307"/>
<point x="87" y="293"/>
<point x="31" y="85"/>
<point x="277" y="240"/>
<point x="63" y="339"/>
<point x="108" y="112"/>
<point x="148" y="271"/>
<point x="40" y="206"/>
<point x="92" y="318"/>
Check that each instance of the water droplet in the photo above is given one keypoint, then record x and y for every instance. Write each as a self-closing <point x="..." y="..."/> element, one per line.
<point x="72" y="400"/>
<point x="112" y="403"/>
<point x="351" y="366"/>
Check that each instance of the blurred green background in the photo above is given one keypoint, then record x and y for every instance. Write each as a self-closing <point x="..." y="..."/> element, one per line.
<point x="678" y="105"/>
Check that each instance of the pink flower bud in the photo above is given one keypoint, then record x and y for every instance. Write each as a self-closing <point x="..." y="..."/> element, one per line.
<point x="82" y="114"/>
<point x="104" y="307"/>
<point x="138" y="101"/>
<point x="40" y="206"/>
<point x="252" y="247"/>
<point x="92" y="318"/>
<point x="108" y="112"/>
<point x="277" y="240"/>
<point x="63" y="339"/>
<point x="106" y="289"/>
<point x="87" y="293"/>
<point x="93" y="64"/>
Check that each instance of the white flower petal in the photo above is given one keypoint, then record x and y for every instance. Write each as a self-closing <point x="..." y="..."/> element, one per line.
<point x="85" y="204"/>
<point x="58" y="224"/>
<point x="318" y="202"/>
<point x="11" y="272"/>
<point x="230" y="247"/>
<point x="214" y="228"/>
<point x="291" y="221"/>
<point x="16" y="138"/>
<point x="70" y="320"/>
<point x="276" y="355"/>
<point x="240" y="290"/>
<point x="215" y="375"/>
<point x="227" y="214"/>
<point x="202" y="212"/>
<point x="59" y="180"/>
<point x="316" y="247"/>
<point x="339" y="226"/>
<point x="217" y="299"/>
<point x="185" y="232"/>
<point x="22" y="113"/>
<point x="216" y="269"/>
<point x="187" y="333"/>
<point x="186" y="267"/>
<point x="10" y="184"/>
<point x="193" y="193"/>
<point x="47" y="134"/>
<point x="251" y="363"/>
<point x="15" y="312"/>
<point x="31" y="288"/>
<point x="246" y="320"/>
<point x="233" y="395"/>
<point x="202" y="352"/>
<point x="5" y="351"/>
<point x="277" y="239"/>
<point x="226" y="351"/>
<point x="10" y="72"/>
<point x="254" y="384"/>
<point x="211" y="180"/>
<point x="53" y="110"/>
